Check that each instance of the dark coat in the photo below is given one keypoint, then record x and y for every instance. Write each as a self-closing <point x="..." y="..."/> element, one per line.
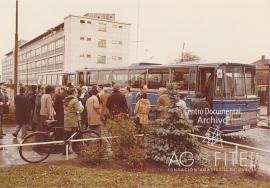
<point x="117" y="103"/>
<point x="36" y="116"/>
<point x="59" y="108"/>
<point x="22" y="110"/>
<point x="3" y="99"/>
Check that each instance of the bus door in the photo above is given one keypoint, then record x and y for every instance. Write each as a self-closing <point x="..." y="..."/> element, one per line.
<point x="205" y="82"/>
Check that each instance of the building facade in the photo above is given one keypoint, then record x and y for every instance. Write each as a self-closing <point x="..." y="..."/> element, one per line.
<point x="92" y="40"/>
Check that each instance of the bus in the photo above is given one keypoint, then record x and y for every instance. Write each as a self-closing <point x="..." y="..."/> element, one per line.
<point x="57" y="79"/>
<point x="228" y="87"/>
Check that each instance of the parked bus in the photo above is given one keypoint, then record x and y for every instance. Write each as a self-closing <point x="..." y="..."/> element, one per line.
<point x="228" y="87"/>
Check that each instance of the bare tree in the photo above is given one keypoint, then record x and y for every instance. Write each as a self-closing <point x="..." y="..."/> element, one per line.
<point x="188" y="56"/>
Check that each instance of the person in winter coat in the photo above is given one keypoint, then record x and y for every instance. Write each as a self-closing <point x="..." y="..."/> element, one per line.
<point x="128" y="96"/>
<point x="117" y="103"/>
<point x="46" y="108"/>
<point x="142" y="109"/>
<point x="72" y="111"/>
<point x="162" y="102"/>
<point x="36" y="117"/>
<point x="31" y="95"/>
<point x="93" y="112"/>
<point x="22" y="113"/>
<point x="104" y="96"/>
<point x="3" y="105"/>
<point x="59" y="110"/>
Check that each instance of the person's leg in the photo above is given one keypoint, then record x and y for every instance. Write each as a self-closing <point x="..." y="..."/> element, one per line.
<point x="24" y="129"/>
<point x="16" y="130"/>
<point x="1" y="125"/>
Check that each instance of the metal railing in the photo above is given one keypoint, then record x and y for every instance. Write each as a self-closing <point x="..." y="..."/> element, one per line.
<point x="237" y="146"/>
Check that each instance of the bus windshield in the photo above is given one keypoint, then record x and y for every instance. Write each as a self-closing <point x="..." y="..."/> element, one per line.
<point x="239" y="81"/>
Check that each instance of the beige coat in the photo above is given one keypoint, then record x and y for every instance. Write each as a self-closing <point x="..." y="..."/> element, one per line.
<point x="142" y="110"/>
<point x="162" y="102"/>
<point x="46" y="107"/>
<point x="93" y="110"/>
<point x="72" y="112"/>
<point x="104" y="98"/>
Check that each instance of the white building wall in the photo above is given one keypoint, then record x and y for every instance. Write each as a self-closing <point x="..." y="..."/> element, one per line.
<point x="83" y="53"/>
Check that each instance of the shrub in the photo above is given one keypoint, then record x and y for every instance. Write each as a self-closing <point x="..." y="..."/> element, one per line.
<point x="171" y="135"/>
<point x="93" y="156"/>
<point x="126" y="146"/>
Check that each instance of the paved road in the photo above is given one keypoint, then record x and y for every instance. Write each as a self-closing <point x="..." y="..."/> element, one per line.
<point x="10" y="156"/>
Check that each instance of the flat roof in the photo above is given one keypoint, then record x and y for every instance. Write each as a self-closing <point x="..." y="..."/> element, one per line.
<point x="165" y="66"/>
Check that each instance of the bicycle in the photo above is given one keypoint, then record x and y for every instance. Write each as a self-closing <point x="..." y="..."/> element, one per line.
<point x="38" y="153"/>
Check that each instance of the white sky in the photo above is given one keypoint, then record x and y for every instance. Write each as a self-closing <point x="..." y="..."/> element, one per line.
<point x="216" y="30"/>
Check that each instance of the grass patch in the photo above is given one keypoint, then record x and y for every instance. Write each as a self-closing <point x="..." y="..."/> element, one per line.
<point x="66" y="175"/>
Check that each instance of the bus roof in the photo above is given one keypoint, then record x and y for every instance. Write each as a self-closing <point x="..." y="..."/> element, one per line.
<point x="183" y="65"/>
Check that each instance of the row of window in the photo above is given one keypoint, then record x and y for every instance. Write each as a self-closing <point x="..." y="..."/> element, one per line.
<point x="135" y="78"/>
<point x="102" y="42"/>
<point x="42" y="50"/>
<point x="102" y="26"/>
<point x="48" y="64"/>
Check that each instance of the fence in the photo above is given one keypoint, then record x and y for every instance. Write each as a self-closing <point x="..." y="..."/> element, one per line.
<point x="236" y="145"/>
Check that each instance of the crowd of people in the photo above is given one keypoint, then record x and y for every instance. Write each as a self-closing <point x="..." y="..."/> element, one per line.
<point x="89" y="106"/>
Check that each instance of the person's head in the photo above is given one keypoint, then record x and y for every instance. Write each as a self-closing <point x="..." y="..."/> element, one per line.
<point x="22" y="90"/>
<point x="57" y="90"/>
<point x="182" y="97"/>
<point x="198" y="95"/>
<point x="143" y="96"/>
<point x="162" y="90"/>
<point x="128" y="88"/>
<point x="143" y="88"/>
<point x="42" y="89"/>
<point x="48" y="89"/>
<point x="116" y="87"/>
<point x="73" y="91"/>
<point x="34" y="88"/>
<point x="62" y="89"/>
<point x="3" y="85"/>
<point x="84" y="89"/>
<point x="94" y="91"/>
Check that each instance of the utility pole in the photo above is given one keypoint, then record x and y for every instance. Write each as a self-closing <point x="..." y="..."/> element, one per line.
<point x="138" y="22"/>
<point x="268" y="94"/>
<point x="16" y="53"/>
<point x="182" y="54"/>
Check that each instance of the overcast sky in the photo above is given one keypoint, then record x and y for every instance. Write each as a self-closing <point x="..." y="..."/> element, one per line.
<point x="216" y="30"/>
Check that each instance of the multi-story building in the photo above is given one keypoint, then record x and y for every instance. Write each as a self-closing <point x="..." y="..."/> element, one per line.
<point x="92" y="40"/>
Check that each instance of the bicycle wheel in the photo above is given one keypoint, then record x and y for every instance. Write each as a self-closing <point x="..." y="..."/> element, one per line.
<point x="92" y="145"/>
<point x="35" y="153"/>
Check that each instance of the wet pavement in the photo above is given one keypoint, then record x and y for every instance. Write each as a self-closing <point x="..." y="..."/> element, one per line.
<point x="10" y="156"/>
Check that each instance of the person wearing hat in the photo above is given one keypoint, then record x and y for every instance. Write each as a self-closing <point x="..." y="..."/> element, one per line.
<point x="162" y="102"/>
<point x="117" y="103"/>
<point x="3" y="105"/>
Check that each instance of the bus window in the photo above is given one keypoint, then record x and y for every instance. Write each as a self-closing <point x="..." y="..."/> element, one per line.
<point x="54" y="79"/>
<point x="72" y="78"/>
<point x="250" y="81"/>
<point x="88" y="77"/>
<point x="180" y="78"/>
<point x="104" y="78"/>
<point x="157" y="78"/>
<point x="234" y="78"/>
<point x="137" y="78"/>
<point x="49" y="79"/>
<point x="81" y="78"/>
<point x="120" y="77"/>
<point x="192" y="82"/>
<point x="93" y="78"/>
<point x="219" y="89"/>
